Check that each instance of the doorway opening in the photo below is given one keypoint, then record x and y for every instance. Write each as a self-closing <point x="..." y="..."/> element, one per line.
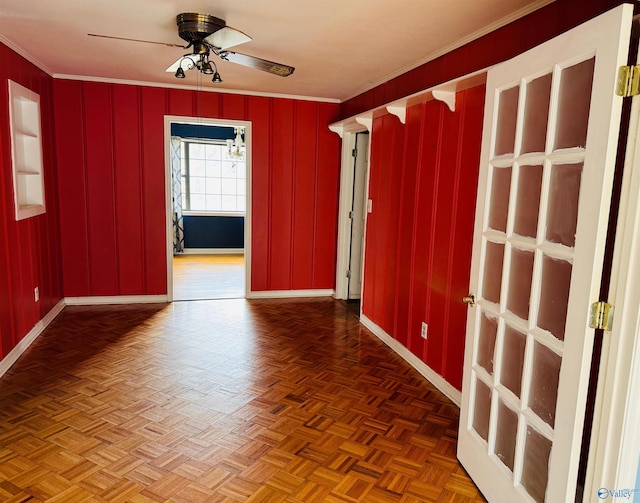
<point x="353" y="211"/>
<point x="208" y="207"/>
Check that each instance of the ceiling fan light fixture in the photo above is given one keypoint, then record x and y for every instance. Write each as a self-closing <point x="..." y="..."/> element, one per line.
<point x="206" y="35"/>
<point x="206" y="68"/>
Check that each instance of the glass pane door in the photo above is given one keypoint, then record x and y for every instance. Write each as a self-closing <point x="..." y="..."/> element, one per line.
<point x="543" y="198"/>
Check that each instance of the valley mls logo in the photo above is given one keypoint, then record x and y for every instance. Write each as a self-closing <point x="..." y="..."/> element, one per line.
<point x="604" y="493"/>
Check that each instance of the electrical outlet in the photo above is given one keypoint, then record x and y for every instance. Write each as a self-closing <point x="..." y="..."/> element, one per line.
<point x="423" y="332"/>
<point x="36" y="294"/>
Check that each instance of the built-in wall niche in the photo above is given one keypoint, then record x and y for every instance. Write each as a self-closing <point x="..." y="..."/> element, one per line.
<point x="26" y="151"/>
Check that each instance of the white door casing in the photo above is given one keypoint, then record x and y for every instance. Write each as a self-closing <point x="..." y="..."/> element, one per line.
<point x="546" y="169"/>
<point x="614" y="453"/>
<point x="358" y="209"/>
<point x="168" y="120"/>
<point x="348" y="133"/>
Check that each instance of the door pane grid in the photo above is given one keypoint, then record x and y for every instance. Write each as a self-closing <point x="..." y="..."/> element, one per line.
<point x="525" y="244"/>
<point x="536" y="113"/>
<point x="553" y="109"/>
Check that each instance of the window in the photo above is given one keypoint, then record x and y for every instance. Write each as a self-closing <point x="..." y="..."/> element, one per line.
<point x="212" y="180"/>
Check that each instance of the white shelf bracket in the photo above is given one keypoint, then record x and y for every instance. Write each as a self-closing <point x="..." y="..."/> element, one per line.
<point x="337" y="129"/>
<point x="447" y="96"/>
<point x="366" y="120"/>
<point x="399" y="109"/>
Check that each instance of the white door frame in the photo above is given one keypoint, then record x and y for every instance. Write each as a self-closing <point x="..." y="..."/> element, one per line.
<point x="346" y="198"/>
<point x="347" y="131"/>
<point x="614" y="463"/>
<point x="358" y="216"/>
<point x="170" y="119"/>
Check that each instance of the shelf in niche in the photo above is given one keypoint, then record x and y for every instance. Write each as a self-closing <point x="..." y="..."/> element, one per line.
<point x="26" y="151"/>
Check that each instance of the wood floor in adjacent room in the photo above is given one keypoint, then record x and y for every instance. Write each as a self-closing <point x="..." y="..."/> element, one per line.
<point x="198" y="277"/>
<point x="223" y="401"/>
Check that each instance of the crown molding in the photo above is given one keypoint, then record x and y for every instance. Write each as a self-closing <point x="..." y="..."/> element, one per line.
<point x="85" y="78"/>
<point x="26" y="56"/>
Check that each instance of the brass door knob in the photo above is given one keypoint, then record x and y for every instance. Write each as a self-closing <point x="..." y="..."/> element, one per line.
<point x="469" y="299"/>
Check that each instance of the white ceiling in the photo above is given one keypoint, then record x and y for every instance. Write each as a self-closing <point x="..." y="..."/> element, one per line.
<point x="340" y="48"/>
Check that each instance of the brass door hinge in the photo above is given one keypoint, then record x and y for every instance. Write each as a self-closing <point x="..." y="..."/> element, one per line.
<point x="601" y="316"/>
<point x="628" y="81"/>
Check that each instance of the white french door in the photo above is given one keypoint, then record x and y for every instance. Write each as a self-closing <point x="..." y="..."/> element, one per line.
<point x="548" y="154"/>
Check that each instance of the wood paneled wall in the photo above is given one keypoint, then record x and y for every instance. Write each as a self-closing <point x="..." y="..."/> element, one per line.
<point x="112" y="177"/>
<point x="423" y="183"/>
<point x="30" y="248"/>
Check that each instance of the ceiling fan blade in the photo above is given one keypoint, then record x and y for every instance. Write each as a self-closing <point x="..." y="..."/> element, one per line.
<point x="136" y="40"/>
<point x="257" y="63"/>
<point x="174" y="66"/>
<point x="227" y="37"/>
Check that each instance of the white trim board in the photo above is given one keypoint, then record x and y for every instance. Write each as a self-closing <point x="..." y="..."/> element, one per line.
<point x="27" y="340"/>
<point x="289" y="294"/>
<point x="427" y="372"/>
<point x="99" y="300"/>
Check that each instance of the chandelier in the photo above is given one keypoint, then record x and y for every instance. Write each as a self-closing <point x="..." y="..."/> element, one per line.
<point x="236" y="146"/>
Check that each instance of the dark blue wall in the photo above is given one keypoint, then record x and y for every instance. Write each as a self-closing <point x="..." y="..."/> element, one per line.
<point x="202" y="131"/>
<point x="213" y="232"/>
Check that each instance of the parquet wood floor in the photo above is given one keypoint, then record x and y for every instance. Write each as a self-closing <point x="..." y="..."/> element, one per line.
<point x="223" y="401"/>
<point x="198" y="277"/>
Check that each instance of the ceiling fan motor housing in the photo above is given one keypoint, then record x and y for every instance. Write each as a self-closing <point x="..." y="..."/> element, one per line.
<point x="193" y="26"/>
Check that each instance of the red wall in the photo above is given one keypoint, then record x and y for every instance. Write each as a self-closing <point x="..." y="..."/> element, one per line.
<point x="112" y="178"/>
<point x="423" y="182"/>
<point x="30" y="248"/>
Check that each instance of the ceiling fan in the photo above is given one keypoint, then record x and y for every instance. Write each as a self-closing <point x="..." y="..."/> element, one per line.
<point x="206" y="34"/>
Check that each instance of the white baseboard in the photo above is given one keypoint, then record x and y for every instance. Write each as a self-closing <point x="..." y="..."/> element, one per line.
<point x="289" y="294"/>
<point x="115" y="299"/>
<point x="212" y="251"/>
<point x="27" y="340"/>
<point x="429" y="374"/>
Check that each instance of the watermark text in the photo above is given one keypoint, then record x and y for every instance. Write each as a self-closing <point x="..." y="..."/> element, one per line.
<point x="604" y="493"/>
